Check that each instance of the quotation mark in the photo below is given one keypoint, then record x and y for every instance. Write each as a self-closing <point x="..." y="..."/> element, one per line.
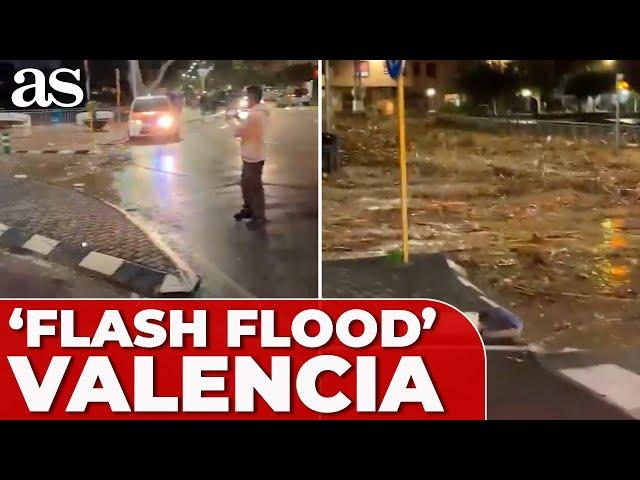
<point x="16" y="322"/>
<point x="429" y="316"/>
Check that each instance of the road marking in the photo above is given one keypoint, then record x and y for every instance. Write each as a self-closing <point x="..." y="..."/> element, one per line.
<point x="41" y="244"/>
<point x="102" y="263"/>
<point x="618" y="384"/>
<point x="507" y="348"/>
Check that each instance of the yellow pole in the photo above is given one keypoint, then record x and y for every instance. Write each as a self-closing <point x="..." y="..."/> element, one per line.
<point x="403" y="170"/>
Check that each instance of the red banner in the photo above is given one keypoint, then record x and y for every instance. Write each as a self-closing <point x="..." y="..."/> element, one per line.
<point x="239" y="359"/>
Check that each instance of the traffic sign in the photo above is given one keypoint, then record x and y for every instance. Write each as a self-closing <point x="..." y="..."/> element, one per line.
<point x="395" y="68"/>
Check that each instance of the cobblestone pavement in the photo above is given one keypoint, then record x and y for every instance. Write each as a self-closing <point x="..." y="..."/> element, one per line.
<point x="59" y="168"/>
<point x="69" y="216"/>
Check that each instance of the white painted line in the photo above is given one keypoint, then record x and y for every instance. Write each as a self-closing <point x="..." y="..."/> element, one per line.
<point x="66" y="152"/>
<point x="474" y="317"/>
<point x="490" y="302"/>
<point x="3" y="228"/>
<point x="41" y="244"/>
<point x="457" y="268"/>
<point x="172" y="284"/>
<point x="102" y="263"/>
<point x="467" y="283"/>
<point x="507" y="348"/>
<point x="509" y="333"/>
<point x="618" y="384"/>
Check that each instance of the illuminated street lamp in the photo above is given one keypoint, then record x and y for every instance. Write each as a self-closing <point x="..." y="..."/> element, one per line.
<point x="525" y="92"/>
<point x="431" y="92"/>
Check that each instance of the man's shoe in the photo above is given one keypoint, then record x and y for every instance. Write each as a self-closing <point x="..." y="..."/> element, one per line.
<point x="256" y="223"/>
<point x="243" y="214"/>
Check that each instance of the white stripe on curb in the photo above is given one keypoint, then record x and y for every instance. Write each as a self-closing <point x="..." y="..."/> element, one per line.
<point x="474" y="317"/>
<point x="457" y="268"/>
<point x="41" y="244"/>
<point x="99" y="262"/>
<point x="489" y="301"/>
<point x="467" y="283"/>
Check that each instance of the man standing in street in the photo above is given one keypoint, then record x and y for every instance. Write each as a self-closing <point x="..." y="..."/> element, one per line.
<point x="251" y="132"/>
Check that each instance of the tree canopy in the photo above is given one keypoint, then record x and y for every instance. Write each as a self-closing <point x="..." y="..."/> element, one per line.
<point x="486" y="83"/>
<point x="590" y="84"/>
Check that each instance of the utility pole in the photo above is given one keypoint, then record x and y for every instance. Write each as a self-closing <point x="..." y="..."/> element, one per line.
<point x="328" y="100"/>
<point x="118" y="93"/>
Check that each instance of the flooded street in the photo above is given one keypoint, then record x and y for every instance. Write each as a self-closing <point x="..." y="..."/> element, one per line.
<point x="549" y="227"/>
<point x="183" y="197"/>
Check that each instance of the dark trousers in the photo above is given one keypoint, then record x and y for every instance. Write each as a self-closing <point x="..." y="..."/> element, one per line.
<point x="252" y="188"/>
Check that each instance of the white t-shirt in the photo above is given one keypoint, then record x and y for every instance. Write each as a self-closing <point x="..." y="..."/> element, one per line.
<point x="251" y="132"/>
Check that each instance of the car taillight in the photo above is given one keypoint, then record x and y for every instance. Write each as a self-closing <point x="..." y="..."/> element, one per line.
<point x="165" y="121"/>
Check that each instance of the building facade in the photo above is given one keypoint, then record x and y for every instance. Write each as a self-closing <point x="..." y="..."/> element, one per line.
<point x="428" y="83"/>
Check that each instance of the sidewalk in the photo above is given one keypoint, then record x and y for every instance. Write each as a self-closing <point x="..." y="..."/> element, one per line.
<point x="66" y="215"/>
<point x="68" y="136"/>
<point x="426" y="276"/>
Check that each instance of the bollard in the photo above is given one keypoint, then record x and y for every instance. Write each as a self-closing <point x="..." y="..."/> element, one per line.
<point x="6" y="146"/>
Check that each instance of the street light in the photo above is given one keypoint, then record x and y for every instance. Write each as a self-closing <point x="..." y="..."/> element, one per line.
<point x="431" y="92"/>
<point x="608" y="63"/>
<point x="525" y="92"/>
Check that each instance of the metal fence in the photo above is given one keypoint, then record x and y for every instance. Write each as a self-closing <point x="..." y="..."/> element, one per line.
<point x="629" y="134"/>
<point x="63" y="115"/>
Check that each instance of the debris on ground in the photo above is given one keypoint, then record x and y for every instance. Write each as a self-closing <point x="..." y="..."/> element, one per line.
<point x="551" y="225"/>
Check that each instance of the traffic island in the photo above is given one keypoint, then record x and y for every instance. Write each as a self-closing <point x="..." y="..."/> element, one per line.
<point x="432" y="276"/>
<point x="80" y="232"/>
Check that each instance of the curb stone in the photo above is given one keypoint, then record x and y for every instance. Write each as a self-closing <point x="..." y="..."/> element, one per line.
<point x="135" y="277"/>
<point x="60" y="152"/>
<point x="497" y="323"/>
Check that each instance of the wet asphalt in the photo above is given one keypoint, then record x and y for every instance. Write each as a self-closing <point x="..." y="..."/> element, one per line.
<point x="185" y="194"/>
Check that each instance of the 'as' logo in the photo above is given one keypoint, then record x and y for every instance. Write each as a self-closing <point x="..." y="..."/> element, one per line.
<point x="39" y="85"/>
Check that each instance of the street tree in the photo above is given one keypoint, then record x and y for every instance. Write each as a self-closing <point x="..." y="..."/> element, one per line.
<point x="298" y="73"/>
<point x="136" y="82"/>
<point x="589" y="84"/>
<point x="486" y="83"/>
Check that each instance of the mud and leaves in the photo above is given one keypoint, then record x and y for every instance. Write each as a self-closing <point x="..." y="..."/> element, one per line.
<point x="548" y="226"/>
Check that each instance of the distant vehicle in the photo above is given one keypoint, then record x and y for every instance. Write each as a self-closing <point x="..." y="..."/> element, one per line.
<point x="215" y="100"/>
<point x="154" y="116"/>
<point x="295" y="97"/>
<point x="237" y="102"/>
<point x="270" y="95"/>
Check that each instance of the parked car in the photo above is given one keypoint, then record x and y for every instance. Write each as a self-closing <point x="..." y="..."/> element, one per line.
<point x="154" y="116"/>
<point x="270" y="95"/>
<point x="295" y="97"/>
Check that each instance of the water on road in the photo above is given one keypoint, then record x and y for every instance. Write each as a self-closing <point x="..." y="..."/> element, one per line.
<point x="185" y="194"/>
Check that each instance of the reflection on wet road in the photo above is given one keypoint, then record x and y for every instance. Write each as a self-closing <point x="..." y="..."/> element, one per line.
<point x="187" y="194"/>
